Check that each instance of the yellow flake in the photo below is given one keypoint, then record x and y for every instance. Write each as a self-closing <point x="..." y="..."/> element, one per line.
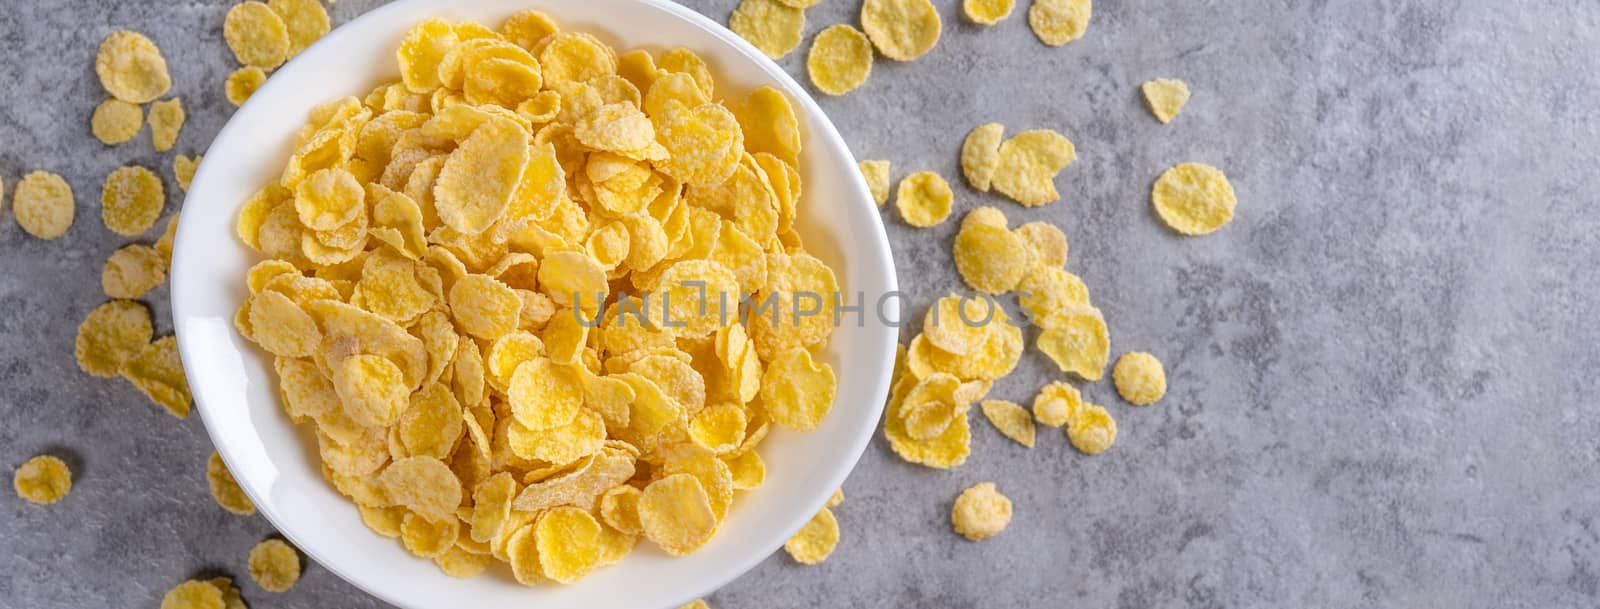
<point x="876" y="174"/>
<point x="839" y="61"/>
<point x="242" y="83"/>
<point x="1165" y="97"/>
<point x="924" y="199"/>
<point x="771" y="26"/>
<point x="675" y="512"/>
<point x="815" y="540"/>
<point x="1092" y="430"/>
<point x="111" y="335"/>
<point x="1048" y="243"/>
<point x="274" y="565"/>
<point x="1193" y="199"/>
<point x="131" y="200"/>
<point x="902" y="30"/>
<point x="1056" y="404"/>
<point x="980" y="512"/>
<point x="797" y="391"/>
<point x="131" y="68"/>
<point x="183" y="168"/>
<point x="43" y="480"/>
<point x="193" y="594"/>
<point x="1057" y="22"/>
<point x="224" y="489"/>
<point x="43" y="205"/>
<point x="256" y="35"/>
<point x="1029" y="162"/>
<point x="987" y="12"/>
<point x="116" y="121"/>
<point x="991" y="259"/>
<point x="424" y="485"/>
<point x="1079" y="343"/>
<point x="304" y="20"/>
<point x="1011" y="419"/>
<point x="132" y="271"/>
<point x="166" y="120"/>
<point x="158" y="373"/>
<point x="568" y="539"/>
<point x="980" y="154"/>
<point x="1140" y="378"/>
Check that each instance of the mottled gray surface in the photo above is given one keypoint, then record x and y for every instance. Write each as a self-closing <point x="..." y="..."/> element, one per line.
<point x="1381" y="372"/>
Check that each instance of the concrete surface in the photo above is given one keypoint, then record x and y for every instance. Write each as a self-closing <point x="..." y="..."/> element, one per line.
<point x="1381" y="372"/>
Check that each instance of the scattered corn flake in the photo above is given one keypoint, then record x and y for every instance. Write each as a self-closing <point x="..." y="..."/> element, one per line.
<point x="274" y="565"/>
<point x="771" y="26"/>
<point x="958" y="325"/>
<point x="948" y="449"/>
<point x="1079" y="342"/>
<point x="1048" y="293"/>
<point x="1092" y="430"/>
<point x="183" y="168"/>
<point x="111" y="335"/>
<point x="1056" y="404"/>
<point x="132" y="271"/>
<point x="193" y="594"/>
<point x="231" y="597"/>
<point x="839" y="61"/>
<point x="980" y="512"/>
<point x="43" y="205"/>
<point x="876" y="173"/>
<point x="990" y="258"/>
<point x="1029" y="162"/>
<point x="116" y="121"/>
<point x="1011" y="419"/>
<point x="980" y="154"/>
<point x="242" y="83"/>
<point x="1048" y="243"/>
<point x="224" y="489"/>
<point x="131" y="200"/>
<point x="304" y="20"/>
<point x="256" y="35"/>
<point x="1140" y="378"/>
<point x="166" y="121"/>
<point x="43" y="480"/>
<point x="131" y="68"/>
<point x="924" y="199"/>
<point x="1193" y="199"/>
<point x="164" y="244"/>
<point x="158" y="372"/>
<point x="815" y="540"/>
<point x="902" y="30"/>
<point x="1165" y="97"/>
<point x="1057" y="22"/>
<point x="987" y="12"/>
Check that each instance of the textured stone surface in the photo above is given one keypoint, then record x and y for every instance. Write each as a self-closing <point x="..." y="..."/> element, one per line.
<point x="1380" y="371"/>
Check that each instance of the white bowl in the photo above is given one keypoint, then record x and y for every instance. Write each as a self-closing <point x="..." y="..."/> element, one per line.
<point x="276" y="463"/>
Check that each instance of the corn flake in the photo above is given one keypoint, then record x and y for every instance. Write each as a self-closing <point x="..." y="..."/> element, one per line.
<point x="1140" y="378"/>
<point x="1029" y="162"/>
<point x="131" y="68"/>
<point x="256" y="35"/>
<point x="43" y="205"/>
<point x="840" y="61"/>
<point x="544" y="395"/>
<point x="797" y="391"/>
<point x="484" y="307"/>
<point x="158" y="372"/>
<point x="1193" y="199"/>
<point x="274" y="565"/>
<point x="980" y="153"/>
<point x="1048" y="243"/>
<point x="1056" y="404"/>
<point x="304" y="20"/>
<point x="1057" y="22"/>
<point x="924" y="199"/>
<point x="132" y="271"/>
<point x="131" y="200"/>
<point x="424" y="485"/>
<point x="242" y="83"/>
<point x="902" y="30"/>
<point x="166" y="121"/>
<point x="1011" y="419"/>
<point x="1092" y="430"/>
<point x="1078" y="343"/>
<point x="183" y="168"/>
<point x="675" y="512"/>
<point x="568" y="539"/>
<point x="193" y="594"/>
<point x="224" y="489"/>
<point x="424" y="538"/>
<point x="771" y="26"/>
<point x="987" y="12"/>
<point x="1165" y="97"/>
<point x="815" y="540"/>
<point x="991" y="259"/>
<point x="116" y="121"/>
<point x="111" y="335"/>
<point x="980" y="512"/>
<point x="231" y="598"/>
<point x="43" y="480"/>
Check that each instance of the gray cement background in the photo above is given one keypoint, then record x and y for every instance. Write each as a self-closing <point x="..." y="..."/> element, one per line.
<point x="1381" y="373"/>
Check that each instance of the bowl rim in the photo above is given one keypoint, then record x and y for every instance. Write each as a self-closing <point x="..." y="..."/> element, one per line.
<point x="856" y="441"/>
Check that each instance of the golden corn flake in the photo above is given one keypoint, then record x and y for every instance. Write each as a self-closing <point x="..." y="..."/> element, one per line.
<point x="43" y="205"/>
<point x="719" y="429"/>
<point x="1140" y="378"/>
<point x="568" y="539"/>
<point x="256" y="35"/>
<point x="1048" y="293"/>
<point x="619" y="507"/>
<point x="815" y="540"/>
<point x="902" y="30"/>
<point x="164" y="244"/>
<point x="242" y="83"/>
<point x="980" y="154"/>
<point x="924" y="199"/>
<point x="544" y="395"/>
<point x="304" y="20"/>
<point x="193" y="594"/>
<point x="576" y="57"/>
<point x="771" y="26"/>
<point x="1092" y="430"/>
<point x="132" y="271"/>
<point x="1056" y="404"/>
<point x="797" y="391"/>
<point x="224" y="489"/>
<point x="528" y="27"/>
<point x="274" y="565"/>
<point x="1057" y="22"/>
<point x="1193" y="199"/>
<point x="111" y="335"/>
<point x="231" y="598"/>
<point x="1029" y="162"/>
<point x="991" y="259"/>
<point x="839" y="61"/>
<point x="477" y="181"/>
<point x="1079" y="343"/>
<point x="43" y="480"/>
<point x="675" y="512"/>
<point x="948" y="449"/>
<point x="131" y="68"/>
<point x="131" y="200"/>
<point x="462" y="564"/>
<point x="158" y="372"/>
<point x="1165" y="97"/>
<point x="987" y="12"/>
<point x="1048" y="243"/>
<point x="116" y="121"/>
<point x="424" y="485"/>
<point x="876" y="174"/>
<point x="980" y="512"/>
<point x="958" y="325"/>
<point x="747" y="469"/>
<point x="371" y="387"/>
<point x="166" y="121"/>
<point x="1011" y="419"/>
<point x="424" y="538"/>
<point x="183" y="168"/>
<point x="769" y="124"/>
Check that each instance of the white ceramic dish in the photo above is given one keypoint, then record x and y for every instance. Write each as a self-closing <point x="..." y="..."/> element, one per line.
<point x="276" y="462"/>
